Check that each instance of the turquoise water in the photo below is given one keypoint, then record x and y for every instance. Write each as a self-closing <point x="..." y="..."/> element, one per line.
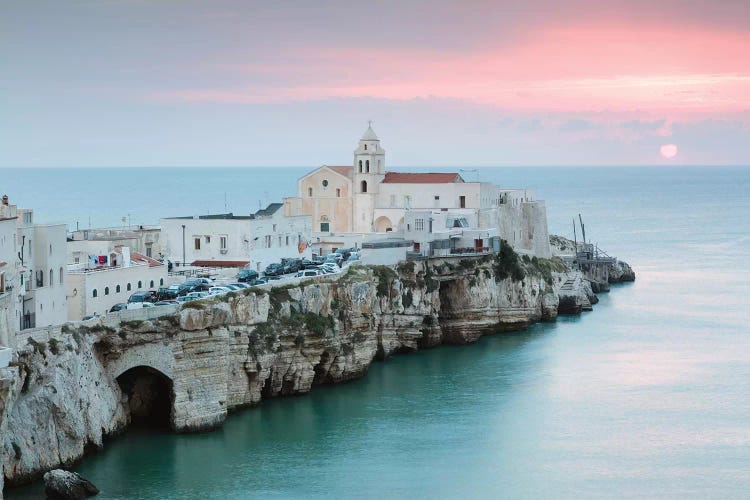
<point x="646" y="397"/>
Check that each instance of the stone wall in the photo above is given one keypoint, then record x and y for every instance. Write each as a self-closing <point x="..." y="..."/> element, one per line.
<point x="62" y="396"/>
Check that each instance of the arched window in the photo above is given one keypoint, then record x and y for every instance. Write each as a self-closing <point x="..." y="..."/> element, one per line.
<point x="61" y="276"/>
<point x="360" y="166"/>
<point x="117" y="289"/>
<point x="51" y="277"/>
<point x="309" y="191"/>
<point x="140" y="284"/>
<point x="367" y="166"/>
<point x="364" y="186"/>
<point x="338" y="193"/>
<point x="128" y="287"/>
<point x="106" y="290"/>
<point x="365" y="147"/>
<point x="94" y="294"/>
<point x="161" y="281"/>
<point x="152" y="284"/>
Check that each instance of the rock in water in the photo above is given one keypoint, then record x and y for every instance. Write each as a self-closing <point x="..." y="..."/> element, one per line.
<point x="64" y="485"/>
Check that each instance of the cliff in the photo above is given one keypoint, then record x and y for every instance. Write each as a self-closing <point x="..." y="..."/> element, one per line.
<point x="71" y="386"/>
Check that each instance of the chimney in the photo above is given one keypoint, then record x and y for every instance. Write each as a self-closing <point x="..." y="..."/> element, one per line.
<point x="5" y="200"/>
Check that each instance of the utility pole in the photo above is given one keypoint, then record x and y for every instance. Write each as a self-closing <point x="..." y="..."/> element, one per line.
<point x="183" y="245"/>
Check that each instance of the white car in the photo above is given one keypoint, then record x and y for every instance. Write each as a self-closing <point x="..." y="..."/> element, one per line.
<point x="218" y="290"/>
<point x="138" y="305"/>
<point x="197" y="295"/>
<point x="308" y="273"/>
<point x="329" y="268"/>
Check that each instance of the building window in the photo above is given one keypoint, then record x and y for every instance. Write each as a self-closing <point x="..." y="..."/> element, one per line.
<point x="50" y="248"/>
<point x="197" y="243"/>
<point x="419" y="224"/>
<point x="223" y="242"/>
<point x="360" y="166"/>
<point x="152" y="284"/>
<point x="462" y="201"/>
<point x="325" y="183"/>
<point x="208" y="240"/>
<point x="367" y="166"/>
<point x="161" y="281"/>
<point x="365" y="147"/>
<point x="378" y="165"/>
<point x="324" y="227"/>
<point x="117" y="289"/>
<point x="77" y="260"/>
<point x="128" y="287"/>
<point x="274" y="228"/>
<point x="309" y="191"/>
<point x="61" y="276"/>
<point x="140" y="285"/>
<point x="338" y="193"/>
<point x="279" y="240"/>
<point x="106" y="290"/>
<point x="94" y="293"/>
<point x="287" y="241"/>
<point x="268" y="240"/>
<point x="51" y="278"/>
<point x="364" y="186"/>
<point x="148" y="250"/>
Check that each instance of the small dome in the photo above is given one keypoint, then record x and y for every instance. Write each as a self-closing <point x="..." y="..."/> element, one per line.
<point x="369" y="135"/>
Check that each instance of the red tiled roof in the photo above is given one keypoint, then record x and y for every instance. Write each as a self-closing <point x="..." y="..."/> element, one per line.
<point x="142" y="259"/>
<point x="220" y="263"/>
<point x="345" y="170"/>
<point x="421" y="177"/>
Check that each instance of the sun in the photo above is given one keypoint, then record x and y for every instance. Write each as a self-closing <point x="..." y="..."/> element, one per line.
<point x="668" y="151"/>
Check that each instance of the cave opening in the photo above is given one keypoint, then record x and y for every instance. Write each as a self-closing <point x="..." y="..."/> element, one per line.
<point x="150" y="397"/>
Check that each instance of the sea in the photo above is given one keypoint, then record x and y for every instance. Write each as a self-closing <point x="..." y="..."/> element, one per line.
<point x="648" y="396"/>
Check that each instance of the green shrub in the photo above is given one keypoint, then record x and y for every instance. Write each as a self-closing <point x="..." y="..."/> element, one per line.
<point x="194" y="304"/>
<point x="507" y="264"/>
<point x="407" y="299"/>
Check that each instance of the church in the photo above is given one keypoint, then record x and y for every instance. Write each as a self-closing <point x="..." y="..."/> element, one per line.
<point x="364" y="202"/>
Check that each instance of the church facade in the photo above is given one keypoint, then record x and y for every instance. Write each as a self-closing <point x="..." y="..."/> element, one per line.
<point x="364" y="202"/>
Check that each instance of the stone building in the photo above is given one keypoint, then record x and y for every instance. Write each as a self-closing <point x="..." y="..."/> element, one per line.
<point x="357" y="203"/>
<point x="228" y="240"/>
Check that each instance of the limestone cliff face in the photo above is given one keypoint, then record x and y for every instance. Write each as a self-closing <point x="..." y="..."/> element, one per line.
<point x="66" y="390"/>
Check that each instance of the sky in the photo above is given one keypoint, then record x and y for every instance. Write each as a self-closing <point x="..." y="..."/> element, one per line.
<point x="446" y="83"/>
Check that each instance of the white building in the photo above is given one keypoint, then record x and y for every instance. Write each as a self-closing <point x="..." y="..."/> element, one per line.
<point x="363" y="202"/>
<point x="227" y="240"/>
<point x="9" y="318"/>
<point x="142" y="238"/>
<point x="104" y="272"/>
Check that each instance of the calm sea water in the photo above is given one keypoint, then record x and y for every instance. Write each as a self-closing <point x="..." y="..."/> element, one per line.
<point x="648" y="396"/>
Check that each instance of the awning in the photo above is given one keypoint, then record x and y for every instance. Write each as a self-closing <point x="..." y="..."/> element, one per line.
<point x="220" y="263"/>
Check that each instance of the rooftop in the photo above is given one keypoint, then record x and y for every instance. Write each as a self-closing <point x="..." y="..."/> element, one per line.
<point x="422" y="178"/>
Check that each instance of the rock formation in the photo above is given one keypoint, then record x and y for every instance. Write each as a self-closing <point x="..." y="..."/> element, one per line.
<point x="64" y="485"/>
<point x="73" y="385"/>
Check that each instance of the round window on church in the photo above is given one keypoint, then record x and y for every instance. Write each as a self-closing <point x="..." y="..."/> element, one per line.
<point x="325" y="183"/>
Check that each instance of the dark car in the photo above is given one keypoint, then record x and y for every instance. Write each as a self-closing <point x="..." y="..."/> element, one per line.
<point x="309" y="264"/>
<point x="167" y="294"/>
<point x="165" y="303"/>
<point x="291" y="265"/>
<point x="274" y="269"/>
<point x="259" y="281"/>
<point x="149" y="296"/>
<point x="246" y="275"/>
<point x="192" y="286"/>
<point x="119" y="307"/>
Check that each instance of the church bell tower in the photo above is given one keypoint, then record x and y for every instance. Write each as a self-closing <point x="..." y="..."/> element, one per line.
<point x="369" y="171"/>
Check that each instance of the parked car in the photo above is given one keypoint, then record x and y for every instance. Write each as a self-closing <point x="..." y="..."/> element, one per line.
<point x="259" y="281"/>
<point x="231" y="286"/>
<point x="146" y="296"/>
<point x="118" y="307"/>
<point x="91" y="316"/>
<point x="139" y="305"/>
<point x="241" y="285"/>
<point x="167" y="293"/>
<point x="185" y="298"/>
<point x="197" y="295"/>
<point x="291" y="265"/>
<point x="219" y="290"/>
<point x="354" y="256"/>
<point x="195" y="285"/>
<point x="274" y="269"/>
<point x="336" y="258"/>
<point x="329" y="268"/>
<point x="246" y="275"/>
<point x="165" y="303"/>
<point x="308" y="273"/>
